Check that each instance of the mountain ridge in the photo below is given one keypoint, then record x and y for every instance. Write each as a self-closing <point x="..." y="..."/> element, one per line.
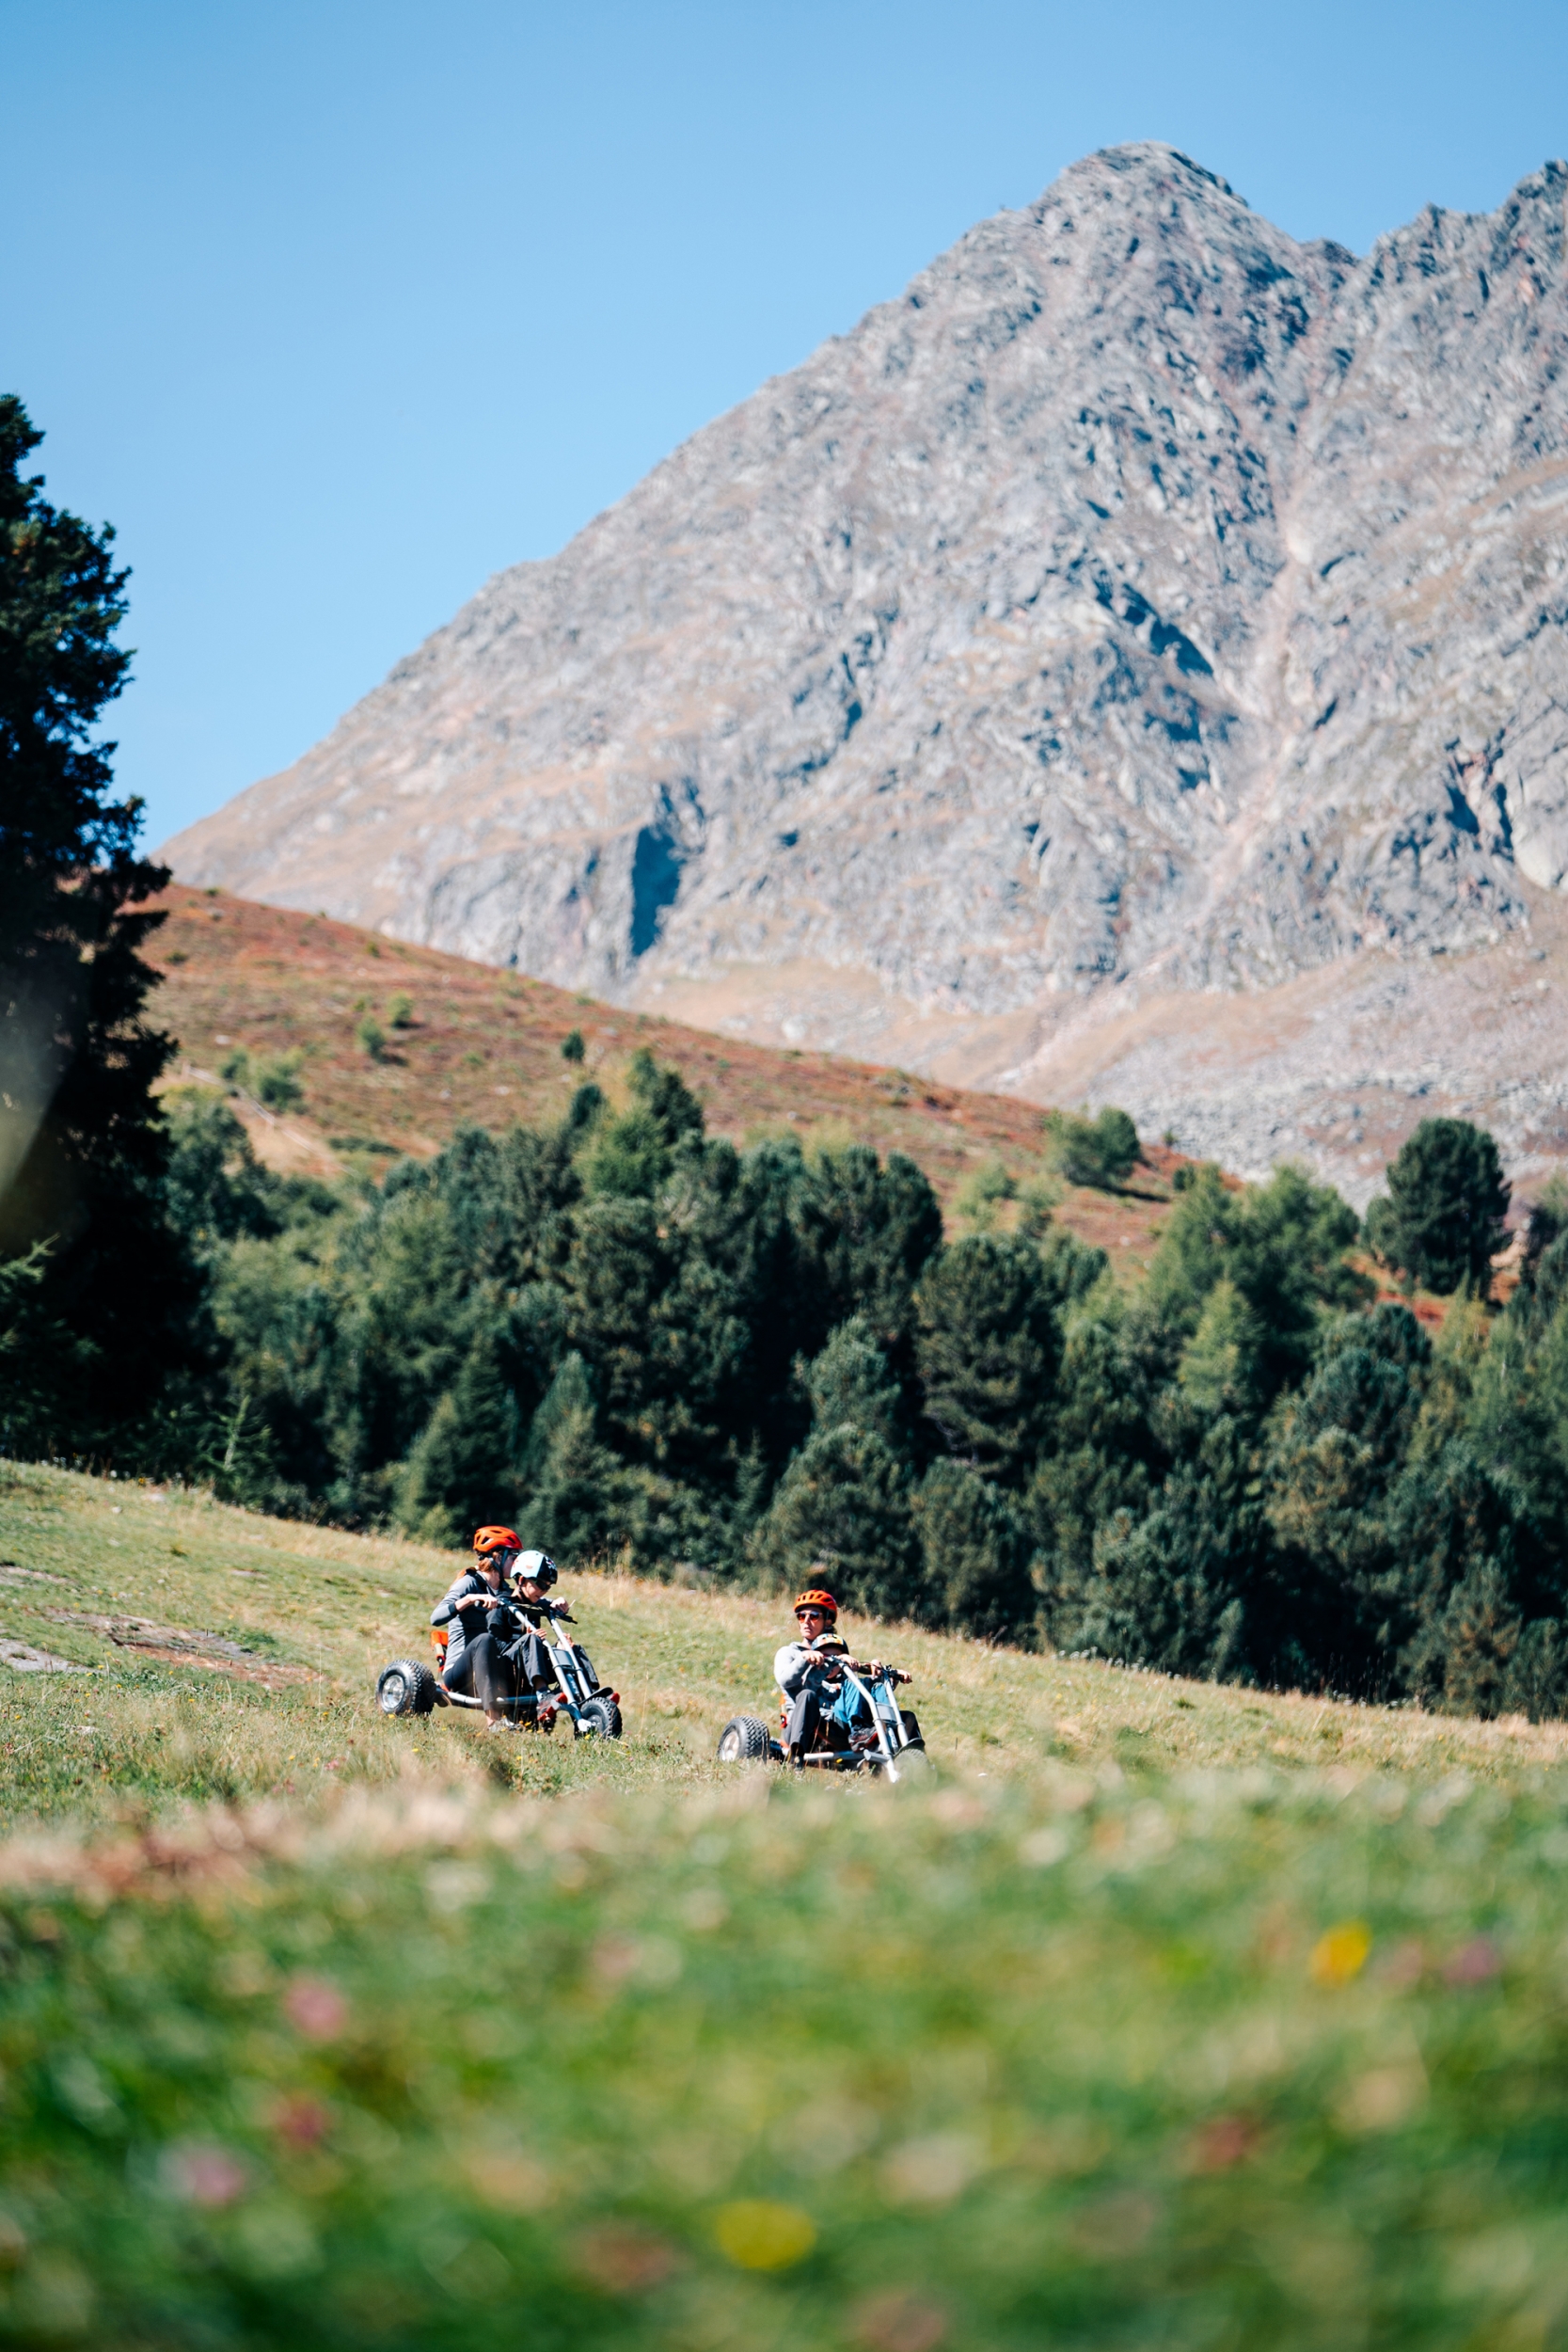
<point x="1142" y="601"/>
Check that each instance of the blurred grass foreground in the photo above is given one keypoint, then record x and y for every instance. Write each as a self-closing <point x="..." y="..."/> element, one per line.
<point x="1235" y="2062"/>
<point x="612" y="2049"/>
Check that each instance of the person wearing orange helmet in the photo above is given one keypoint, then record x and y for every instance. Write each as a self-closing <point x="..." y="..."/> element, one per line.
<point x="809" y="1672"/>
<point x="484" y="1626"/>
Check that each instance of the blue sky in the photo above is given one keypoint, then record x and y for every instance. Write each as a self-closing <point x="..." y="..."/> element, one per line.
<point x="336" y="306"/>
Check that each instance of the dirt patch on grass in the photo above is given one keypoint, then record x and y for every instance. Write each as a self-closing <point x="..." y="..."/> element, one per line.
<point x="24" y="1660"/>
<point x="184" y="1645"/>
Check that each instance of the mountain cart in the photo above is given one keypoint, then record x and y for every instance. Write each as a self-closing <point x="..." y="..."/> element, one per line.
<point x="888" y="1746"/>
<point x="408" y="1688"/>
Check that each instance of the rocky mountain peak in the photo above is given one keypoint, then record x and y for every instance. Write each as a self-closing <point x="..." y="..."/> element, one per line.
<point x="1141" y="601"/>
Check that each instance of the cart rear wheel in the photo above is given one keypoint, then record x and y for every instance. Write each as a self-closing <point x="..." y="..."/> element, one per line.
<point x="745" y="1739"/>
<point x="405" y="1688"/>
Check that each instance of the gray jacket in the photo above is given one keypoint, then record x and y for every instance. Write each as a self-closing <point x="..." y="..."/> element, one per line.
<point x="800" y="1667"/>
<point x="462" y="1610"/>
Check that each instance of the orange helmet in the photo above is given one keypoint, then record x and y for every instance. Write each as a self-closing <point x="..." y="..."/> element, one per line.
<point x="815" y="1599"/>
<point x="496" y="1539"/>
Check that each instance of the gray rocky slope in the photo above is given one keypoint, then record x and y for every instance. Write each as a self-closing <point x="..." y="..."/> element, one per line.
<point x="1143" y="602"/>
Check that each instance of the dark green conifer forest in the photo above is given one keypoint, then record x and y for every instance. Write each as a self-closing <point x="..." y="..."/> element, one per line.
<point x="637" y="1342"/>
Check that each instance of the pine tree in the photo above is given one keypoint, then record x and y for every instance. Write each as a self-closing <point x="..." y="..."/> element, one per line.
<point x="1482" y="1631"/>
<point x="1441" y="1220"/>
<point x="844" y="1498"/>
<point x="1102" y="1152"/>
<point x="1451" y="1521"/>
<point x="1519" y="1389"/>
<point x="1281" y="1245"/>
<point x="1176" y="1589"/>
<point x="976" y="1572"/>
<point x="462" y="1472"/>
<point x="1332" y="1478"/>
<point x="82" y="1146"/>
<point x="851" y="1382"/>
<point x="1221" y="1368"/>
<point x="1105" y="1457"/>
<point x="635" y="1155"/>
<point x="865" y="1232"/>
<point x="572" y="1487"/>
<point x="216" y="1187"/>
<point x="1537" y="1682"/>
<point x="988" y="1350"/>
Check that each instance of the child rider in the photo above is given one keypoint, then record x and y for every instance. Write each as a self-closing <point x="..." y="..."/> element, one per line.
<point x="536" y="1574"/>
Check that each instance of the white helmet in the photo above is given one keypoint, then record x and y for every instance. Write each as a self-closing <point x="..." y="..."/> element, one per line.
<point x="535" y="1568"/>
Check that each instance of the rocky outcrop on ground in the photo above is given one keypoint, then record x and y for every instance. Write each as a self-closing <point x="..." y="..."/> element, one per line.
<point x="1142" y="603"/>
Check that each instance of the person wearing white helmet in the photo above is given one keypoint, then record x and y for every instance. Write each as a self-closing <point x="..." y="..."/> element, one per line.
<point x="533" y="1574"/>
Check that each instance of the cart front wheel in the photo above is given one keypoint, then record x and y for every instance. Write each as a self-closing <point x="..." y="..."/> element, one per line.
<point x="601" y="1717"/>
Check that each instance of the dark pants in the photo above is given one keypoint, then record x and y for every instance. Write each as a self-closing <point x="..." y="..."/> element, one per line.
<point x="532" y="1661"/>
<point x="484" y="1672"/>
<point x="803" y="1729"/>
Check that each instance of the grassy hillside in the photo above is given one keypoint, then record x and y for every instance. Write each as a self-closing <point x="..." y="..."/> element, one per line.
<point x="1144" y="2027"/>
<point x="485" y="1046"/>
<point x="233" y="1658"/>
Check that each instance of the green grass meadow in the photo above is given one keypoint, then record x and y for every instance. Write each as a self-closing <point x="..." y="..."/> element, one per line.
<point x="1175" y="2016"/>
